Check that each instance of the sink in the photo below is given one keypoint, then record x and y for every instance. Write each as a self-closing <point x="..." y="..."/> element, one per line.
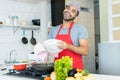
<point x="9" y="63"/>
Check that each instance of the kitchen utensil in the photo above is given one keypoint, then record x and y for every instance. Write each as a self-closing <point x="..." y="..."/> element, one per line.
<point x="33" y="40"/>
<point x="1" y="22"/>
<point x="20" y="66"/>
<point x="43" y="66"/>
<point x="24" y="39"/>
<point x="36" y="22"/>
<point x="51" y="46"/>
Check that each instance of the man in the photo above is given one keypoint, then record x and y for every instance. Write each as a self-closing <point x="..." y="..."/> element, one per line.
<point x="74" y="36"/>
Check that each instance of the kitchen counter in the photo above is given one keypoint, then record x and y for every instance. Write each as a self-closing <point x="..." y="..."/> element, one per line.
<point x="4" y="76"/>
<point x="105" y="77"/>
<point x="96" y="76"/>
<point x="8" y="77"/>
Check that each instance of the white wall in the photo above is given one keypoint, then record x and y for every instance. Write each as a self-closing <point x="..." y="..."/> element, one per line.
<point x="26" y="10"/>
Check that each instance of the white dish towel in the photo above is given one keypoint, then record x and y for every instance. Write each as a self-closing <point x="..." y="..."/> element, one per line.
<point x="40" y="52"/>
<point x="47" y="48"/>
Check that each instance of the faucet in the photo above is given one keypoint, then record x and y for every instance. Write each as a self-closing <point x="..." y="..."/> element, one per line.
<point x="10" y="55"/>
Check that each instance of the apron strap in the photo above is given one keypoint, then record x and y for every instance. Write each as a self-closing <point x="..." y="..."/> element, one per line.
<point x="71" y="24"/>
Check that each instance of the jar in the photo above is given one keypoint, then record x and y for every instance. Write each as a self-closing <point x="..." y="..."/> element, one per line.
<point x="9" y="20"/>
<point x="15" y="20"/>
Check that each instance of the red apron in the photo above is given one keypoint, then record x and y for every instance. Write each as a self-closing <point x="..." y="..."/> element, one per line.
<point x="77" y="58"/>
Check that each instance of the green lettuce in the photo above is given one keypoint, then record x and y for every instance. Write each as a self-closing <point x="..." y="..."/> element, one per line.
<point x="62" y="67"/>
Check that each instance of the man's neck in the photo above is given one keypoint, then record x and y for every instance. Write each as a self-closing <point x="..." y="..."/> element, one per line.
<point x="66" y="24"/>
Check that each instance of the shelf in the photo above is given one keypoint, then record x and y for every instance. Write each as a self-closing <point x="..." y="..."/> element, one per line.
<point x="22" y="27"/>
<point x="2" y="25"/>
<point x="30" y="27"/>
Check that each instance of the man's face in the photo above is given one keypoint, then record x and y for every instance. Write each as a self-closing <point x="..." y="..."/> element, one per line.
<point x="70" y="13"/>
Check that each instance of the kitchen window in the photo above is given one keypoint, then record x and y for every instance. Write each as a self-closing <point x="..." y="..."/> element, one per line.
<point x="114" y="20"/>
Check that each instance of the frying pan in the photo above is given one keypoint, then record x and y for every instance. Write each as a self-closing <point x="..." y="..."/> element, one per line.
<point x="33" y="40"/>
<point x="24" y="39"/>
<point x="43" y="67"/>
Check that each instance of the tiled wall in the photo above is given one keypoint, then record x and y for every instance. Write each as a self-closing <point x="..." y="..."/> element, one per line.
<point x="26" y="10"/>
<point x="87" y="19"/>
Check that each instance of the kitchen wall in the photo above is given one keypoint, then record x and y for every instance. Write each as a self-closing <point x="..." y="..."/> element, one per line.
<point x="11" y="37"/>
<point x="104" y="20"/>
<point x="86" y="18"/>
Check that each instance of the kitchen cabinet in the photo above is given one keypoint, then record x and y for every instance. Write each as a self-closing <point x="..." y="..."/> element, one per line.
<point x="114" y="20"/>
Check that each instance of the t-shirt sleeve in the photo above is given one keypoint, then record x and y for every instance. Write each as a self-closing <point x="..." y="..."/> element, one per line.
<point x="83" y="33"/>
<point x="53" y="32"/>
<point x="50" y="35"/>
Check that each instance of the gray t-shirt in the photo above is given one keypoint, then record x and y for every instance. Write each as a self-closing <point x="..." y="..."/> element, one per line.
<point x="77" y="32"/>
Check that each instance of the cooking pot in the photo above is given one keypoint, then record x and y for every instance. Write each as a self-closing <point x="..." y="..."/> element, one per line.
<point x="20" y="66"/>
<point x="36" y="22"/>
<point x="46" y="67"/>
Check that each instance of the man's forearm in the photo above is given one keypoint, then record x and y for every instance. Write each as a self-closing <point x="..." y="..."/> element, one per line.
<point x="78" y="49"/>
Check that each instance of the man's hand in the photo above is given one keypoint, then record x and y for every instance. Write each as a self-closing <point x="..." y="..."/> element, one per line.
<point x="82" y="49"/>
<point x="62" y="45"/>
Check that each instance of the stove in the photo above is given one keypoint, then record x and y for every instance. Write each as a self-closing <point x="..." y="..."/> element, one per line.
<point x="29" y="72"/>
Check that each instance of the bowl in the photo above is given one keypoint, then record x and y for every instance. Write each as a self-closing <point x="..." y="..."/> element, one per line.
<point x="20" y="66"/>
<point x="51" y="45"/>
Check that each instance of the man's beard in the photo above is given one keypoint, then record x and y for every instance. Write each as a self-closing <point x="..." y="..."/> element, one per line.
<point x="69" y="19"/>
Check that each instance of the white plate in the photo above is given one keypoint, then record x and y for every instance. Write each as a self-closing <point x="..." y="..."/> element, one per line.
<point x="51" y="45"/>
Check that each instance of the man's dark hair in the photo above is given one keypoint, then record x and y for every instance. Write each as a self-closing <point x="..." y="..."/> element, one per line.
<point x="77" y="13"/>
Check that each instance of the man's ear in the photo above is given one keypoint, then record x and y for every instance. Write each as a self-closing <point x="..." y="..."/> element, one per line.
<point x="76" y="18"/>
